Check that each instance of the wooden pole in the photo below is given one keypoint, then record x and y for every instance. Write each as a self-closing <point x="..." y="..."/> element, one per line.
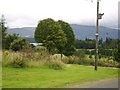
<point x="97" y="29"/>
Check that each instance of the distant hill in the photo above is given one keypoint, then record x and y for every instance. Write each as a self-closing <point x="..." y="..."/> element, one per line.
<point x="23" y="32"/>
<point x="81" y="32"/>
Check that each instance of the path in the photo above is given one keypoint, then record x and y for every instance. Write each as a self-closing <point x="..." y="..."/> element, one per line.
<point x="106" y="83"/>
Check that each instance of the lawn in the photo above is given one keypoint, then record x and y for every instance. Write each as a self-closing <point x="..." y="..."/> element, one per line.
<point x="44" y="77"/>
<point x="0" y="78"/>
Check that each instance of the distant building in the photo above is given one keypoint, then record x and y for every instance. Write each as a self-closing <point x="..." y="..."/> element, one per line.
<point x="37" y="44"/>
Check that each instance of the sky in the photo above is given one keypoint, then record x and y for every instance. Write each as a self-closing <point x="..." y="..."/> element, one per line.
<point x="27" y="13"/>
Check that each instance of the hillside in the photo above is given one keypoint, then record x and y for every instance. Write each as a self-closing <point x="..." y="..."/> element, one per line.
<point x="80" y="31"/>
<point x="83" y="31"/>
<point x="23" y="32"/>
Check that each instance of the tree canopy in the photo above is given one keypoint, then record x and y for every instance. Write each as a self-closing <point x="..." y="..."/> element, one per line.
<point x="69" y="47"/>
<point x="51" y="34"/>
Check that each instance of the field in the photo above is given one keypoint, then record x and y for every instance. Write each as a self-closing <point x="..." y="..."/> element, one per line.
<point x="0" y="77"/>
<point x="37" y="68"/>
<point x="44" y="77"/>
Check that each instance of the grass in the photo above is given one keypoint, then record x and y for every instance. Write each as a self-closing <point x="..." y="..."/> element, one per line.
<point x="44" y="77"/>
<point x="102" y="59"/>
<point x="0" y="77"/>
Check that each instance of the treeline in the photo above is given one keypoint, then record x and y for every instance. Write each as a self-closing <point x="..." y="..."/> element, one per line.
<point x="109" y="43"/>
<point x="11" y="41"/>
<point x="85" y="44"/>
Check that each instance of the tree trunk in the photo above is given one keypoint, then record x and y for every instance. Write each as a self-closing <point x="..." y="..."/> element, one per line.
<point x="61" y="55"/>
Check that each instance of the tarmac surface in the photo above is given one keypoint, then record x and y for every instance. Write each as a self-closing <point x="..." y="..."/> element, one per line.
<point x="106" y="83"/>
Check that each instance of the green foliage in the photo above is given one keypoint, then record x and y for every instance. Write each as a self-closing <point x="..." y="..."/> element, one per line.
<point x="43" y="77"/>
<point x="80" y="53"/>
<point x="90" y="43"/>
<point x="18" y="44"/>
<point x="54" y="64"/>
<point x="3" y="29"/>
<point x="110" y="43"/>
<point x="56" y="38"/>
<point x="117" y="54"/>
<point x="18" y="62"/>
<point x="85" y="44"/>
<point x="50" y="32"/>
<point x="69" y="51"/>
<point x="90" y="62"/>
<point x="100" y="56"/>
<point x="9" y="39"/>
<point x="40" y="48"/>
<point x="90" y="56"/>
<point x="69" y="47"/>
<point x="42" y="30"/>
<point x="28" y="57"/>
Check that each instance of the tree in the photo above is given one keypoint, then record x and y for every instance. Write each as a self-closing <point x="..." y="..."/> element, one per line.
<point x="3" y="29"/>
<point x="9" y="38"/>
<point x="90" y="56"/>
<point x="69" y="47"/>
<point x="43" y="29"/>
<point x="117" y="53"/>
<point x="51" y="34"/>
<point x="18" y="44"/>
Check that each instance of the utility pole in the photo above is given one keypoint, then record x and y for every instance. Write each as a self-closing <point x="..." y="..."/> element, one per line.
<point x="99" y="16"/>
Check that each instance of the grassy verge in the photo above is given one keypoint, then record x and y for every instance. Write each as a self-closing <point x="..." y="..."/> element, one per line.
<point x="45" y="77"/>
<point x="0" y="77"/>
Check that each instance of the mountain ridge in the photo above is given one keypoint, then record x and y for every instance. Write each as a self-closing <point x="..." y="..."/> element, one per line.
<point x="81" y="31"/>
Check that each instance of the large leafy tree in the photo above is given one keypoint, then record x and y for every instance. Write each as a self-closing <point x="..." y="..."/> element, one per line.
<point x="51" y="34"/>
<point x="69" y="47"/>
<point x="42" y="30"/>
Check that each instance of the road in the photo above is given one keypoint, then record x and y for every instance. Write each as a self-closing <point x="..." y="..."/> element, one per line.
<point x="106" y="83"/>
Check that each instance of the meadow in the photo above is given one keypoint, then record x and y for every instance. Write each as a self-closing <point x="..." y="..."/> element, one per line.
<point x="0" y="77"/>
<point x="44" y="77"/>
<point x="37" y="68"/>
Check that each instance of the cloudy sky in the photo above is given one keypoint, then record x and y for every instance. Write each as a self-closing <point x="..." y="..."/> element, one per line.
<point x="27" y="13"/>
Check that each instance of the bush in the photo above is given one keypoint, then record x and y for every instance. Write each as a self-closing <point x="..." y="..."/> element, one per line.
<point x="90" y="56"/>
<point x="72" y="61"/>
<point x="80" y="53"/>
<point x="84" y="61"/>
<point x="57" y="65"/>
<point x="18" y="44"/>
<point x="40" y="48"/>
<point x="9" y="38"/>
<point x="18" y="62"/>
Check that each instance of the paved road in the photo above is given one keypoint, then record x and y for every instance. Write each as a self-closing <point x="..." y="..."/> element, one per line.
<point x="106" y="83"/>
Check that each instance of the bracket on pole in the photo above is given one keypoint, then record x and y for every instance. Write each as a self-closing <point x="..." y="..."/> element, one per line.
<point x="100" y="15"/>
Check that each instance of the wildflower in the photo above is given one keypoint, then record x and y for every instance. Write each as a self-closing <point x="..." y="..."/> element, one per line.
<point x="6" y="52"/>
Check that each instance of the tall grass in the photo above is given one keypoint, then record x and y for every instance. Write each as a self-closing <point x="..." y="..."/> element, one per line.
<point x="29" y="57"/>
<point x="37" y="57"/>
<point x="85" y="61"/>
<point x="0" y="58"/>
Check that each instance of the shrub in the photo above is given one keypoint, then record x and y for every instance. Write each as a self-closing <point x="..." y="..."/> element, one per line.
<point x="80" y="53"/>
<point x="18" y="44"/>
<point x="9" y="38"/>
<point x="18" y="62"/>
<point x="54" y="64"/>
<point x="84" y="61"/>
<point x="40" y="48"/>
<point x="100" y="56"/>
<point x="90" y="56"/>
